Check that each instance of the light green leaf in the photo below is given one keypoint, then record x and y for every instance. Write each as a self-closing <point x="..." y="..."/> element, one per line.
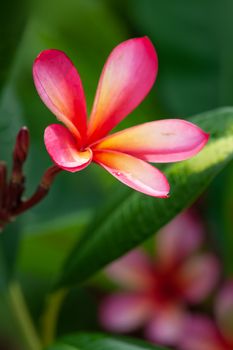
<point x="137" y="217"/>
<point x="85" y="341"/>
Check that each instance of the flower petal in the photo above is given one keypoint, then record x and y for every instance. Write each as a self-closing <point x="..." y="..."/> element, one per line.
<point x="159" y="141"/>
<point x="200" y="333"/>
<point x="198" y="276"/>
<point x="224" y="310"/>
<point x="133" y="271"/>
<point x="125" y="312"/>
<point x="63" y="149"/>
<point x="126" y="79"/>
<point x="60" y="88"/>
<point x="167" y="325"/>
<point x="186" y="232"/>
<point x="134" y="173"/>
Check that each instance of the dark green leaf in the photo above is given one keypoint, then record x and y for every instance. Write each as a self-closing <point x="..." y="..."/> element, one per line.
<point x="85" y="341"/>
<point x="138" y="216"/>
<point x="10" y="120"/>
<point x="9" y="244"/>
<point x="12" y="19"/>
<point x="79" y="310"/>
<point x="195" y="54"/>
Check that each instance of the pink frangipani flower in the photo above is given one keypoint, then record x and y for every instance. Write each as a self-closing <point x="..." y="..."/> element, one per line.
<point x="155" y="294"/>
<point x="127" y="77"/>
<point x="202" y="333"/>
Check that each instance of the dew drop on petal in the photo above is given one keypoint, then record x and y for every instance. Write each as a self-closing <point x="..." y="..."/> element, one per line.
<point x="117" y="173"/>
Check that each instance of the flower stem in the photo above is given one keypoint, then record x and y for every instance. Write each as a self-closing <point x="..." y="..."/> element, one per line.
<point x="50" y="317"/>
<point x="41" y="191"/>
<point x="22" y="318"/>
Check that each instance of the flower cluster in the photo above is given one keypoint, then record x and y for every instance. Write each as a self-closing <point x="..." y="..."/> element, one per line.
<point x="206" y="334"/>
<point x="157" y="292"/>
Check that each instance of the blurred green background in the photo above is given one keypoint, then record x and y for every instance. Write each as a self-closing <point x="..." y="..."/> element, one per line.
<point x="194" y="42"/>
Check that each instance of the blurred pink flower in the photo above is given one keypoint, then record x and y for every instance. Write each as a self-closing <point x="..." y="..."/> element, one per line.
<point x="126" y="79"/>
<point x="202" y="333"/>
<point x="156" y="293"/>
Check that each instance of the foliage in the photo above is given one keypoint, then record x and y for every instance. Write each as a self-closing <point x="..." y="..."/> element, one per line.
<point x="142" y="216"/>
<point x="100" y="341"/>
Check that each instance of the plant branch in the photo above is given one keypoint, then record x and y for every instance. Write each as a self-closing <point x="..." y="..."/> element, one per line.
<point x="41" y="191"/>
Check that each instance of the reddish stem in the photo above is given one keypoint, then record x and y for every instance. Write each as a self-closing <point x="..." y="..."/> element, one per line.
<point x="11" y="203"/>
<point x="41" y="191"/>
<point x="3" y="183"/>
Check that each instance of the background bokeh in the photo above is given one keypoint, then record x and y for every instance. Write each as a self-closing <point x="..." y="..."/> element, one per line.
<point x="194" y="42"/>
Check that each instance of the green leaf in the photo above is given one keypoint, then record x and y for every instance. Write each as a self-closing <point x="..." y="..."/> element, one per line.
<point x="9" y="244"/>
<point x="195" y="55"/>
<point x="96" y="341"/>
<point x="12" y="19"/>
<point x="10" y="121"/>
<point x="79" y="310"/>
<point x="138" y="217"/>
<point x="51" y="240"/>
